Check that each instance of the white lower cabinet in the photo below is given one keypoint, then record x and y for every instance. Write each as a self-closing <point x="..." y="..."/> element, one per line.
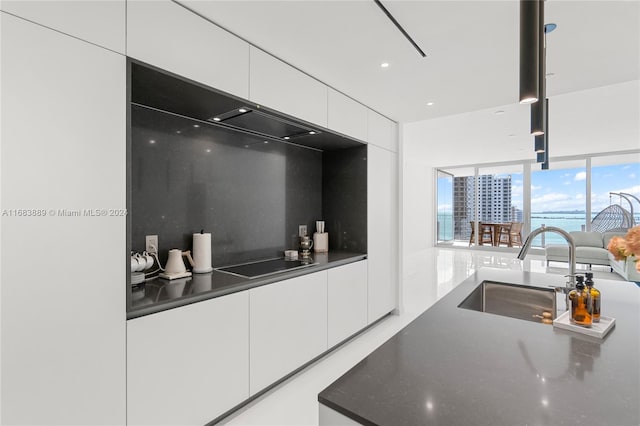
<point x="188" y="365"/>
<point x="347" y="301"/>
<point x="288" y="323"/>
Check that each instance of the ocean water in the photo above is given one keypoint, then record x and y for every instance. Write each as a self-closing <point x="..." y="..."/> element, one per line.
<point x="567" y="221"/>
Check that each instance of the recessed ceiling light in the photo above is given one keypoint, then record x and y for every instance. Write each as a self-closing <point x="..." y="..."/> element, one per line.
<point x="196" y="125"/>
<point x="499" y="112"/>
<point x="511" y="135"/>
<point x="246" y="146"/>
<point x="152" y="141"/>
<point x="266" y="141"/>
<point x="242" y="110"/>
<point x="384" y="65"/>
<point x="216" y="118"/>
<point x="429" y="103"/>
<point x="312" y="132"/>
<point x="286" y="138"/>
<point x="178" y="131"/>
<point x="208" y="150"/>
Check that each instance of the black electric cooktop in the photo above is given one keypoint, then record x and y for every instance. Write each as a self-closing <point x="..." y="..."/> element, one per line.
<point x="266" y="267"/>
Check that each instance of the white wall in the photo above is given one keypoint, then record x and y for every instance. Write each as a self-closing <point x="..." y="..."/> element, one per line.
<point x="604" y="119"/>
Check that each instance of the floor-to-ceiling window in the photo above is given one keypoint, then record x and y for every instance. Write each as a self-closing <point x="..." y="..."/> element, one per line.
<point x="615" y="192"/>
<point x="598" y="192"/>
<point x="444" y="224"/>
<point x="558" y="198"/>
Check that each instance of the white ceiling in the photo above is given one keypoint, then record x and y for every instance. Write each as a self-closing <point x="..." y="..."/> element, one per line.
<point x="471" y="46"/>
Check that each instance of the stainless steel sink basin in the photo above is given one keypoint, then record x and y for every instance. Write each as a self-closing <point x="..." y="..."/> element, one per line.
<point x="512" y="300"/>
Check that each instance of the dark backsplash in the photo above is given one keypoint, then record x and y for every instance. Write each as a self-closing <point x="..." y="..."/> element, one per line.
<point x="249" y="194"/>
<point x="344" y="198"/>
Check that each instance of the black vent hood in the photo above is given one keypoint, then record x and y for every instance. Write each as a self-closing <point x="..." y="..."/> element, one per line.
<point x="161" y="90"/>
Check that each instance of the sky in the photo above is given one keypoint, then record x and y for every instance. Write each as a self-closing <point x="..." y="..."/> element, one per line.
<point x="565" y="189"/>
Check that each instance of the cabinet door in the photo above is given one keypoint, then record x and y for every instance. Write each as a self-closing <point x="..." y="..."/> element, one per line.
<point x="98" y="22"/>
<point x="165" y="34"/>
<point x="63" y="299"/>
<point x="382" y="131"/>
<point x="188" y="365"/>
<point x="347" y="116"/>
<point x="347" y="301"/>
<point x="277" y="85"/>
<point x="288" y="327"/>
<point x="381" y="232"/>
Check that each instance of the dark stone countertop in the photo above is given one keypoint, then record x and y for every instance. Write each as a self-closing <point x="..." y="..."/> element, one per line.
<point x="160" y="295"/>
<point x="454" y="366"/>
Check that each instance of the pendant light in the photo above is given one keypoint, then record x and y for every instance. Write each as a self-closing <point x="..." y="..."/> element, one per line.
<point x="543" y="157"/>
<point x="537" y="108"/>
<point x="529" y="50"/>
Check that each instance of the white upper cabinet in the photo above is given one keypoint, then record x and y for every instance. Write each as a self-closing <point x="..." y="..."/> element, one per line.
<point x="98" y="22"/>
<point x="165" y="34"/>
<point x="279" y="86"/>
<point x="347" y="116"/>
<point x="382" y="132"/>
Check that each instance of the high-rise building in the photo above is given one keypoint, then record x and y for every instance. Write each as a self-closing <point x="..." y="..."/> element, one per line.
<point x="494" y="202"/>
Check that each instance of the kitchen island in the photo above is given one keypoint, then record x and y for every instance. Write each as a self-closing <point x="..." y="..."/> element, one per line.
<point x="454" y="366"/>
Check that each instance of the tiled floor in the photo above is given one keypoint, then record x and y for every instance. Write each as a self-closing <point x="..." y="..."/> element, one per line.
<point x="428" y="276"/>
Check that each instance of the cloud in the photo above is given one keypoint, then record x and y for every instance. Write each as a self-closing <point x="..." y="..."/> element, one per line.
<point x="444" y="207"/>
<point x="535" y="187"/>
<point x="632" y="176"/>
<point x="580" y="176"/>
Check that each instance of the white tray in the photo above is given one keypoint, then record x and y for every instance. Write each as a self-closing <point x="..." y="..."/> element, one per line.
<point x="597" y="329"/>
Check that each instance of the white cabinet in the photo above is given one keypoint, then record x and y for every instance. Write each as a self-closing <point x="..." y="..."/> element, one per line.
<point x="381" y="232"/>
<point x="63" y="145"/>
<point x="279" y="86"/>
<point x="382" y="132"/>
<point x="288" y="323"/>
<point x="347" y="301"/>
<point x="165" y="34"/>
<point x="98" y="22"/>
<point x="347" y="116"/>
<point x="188" y="365"/>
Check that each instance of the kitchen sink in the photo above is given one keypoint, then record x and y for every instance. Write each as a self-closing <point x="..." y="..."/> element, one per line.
<point x="512" y="300"/>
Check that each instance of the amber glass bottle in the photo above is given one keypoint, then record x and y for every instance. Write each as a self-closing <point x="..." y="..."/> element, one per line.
<point x="580" y="304"/>
<point x="595" y="296"/>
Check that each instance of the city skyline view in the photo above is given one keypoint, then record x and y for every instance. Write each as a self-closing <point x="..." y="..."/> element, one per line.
<point x="558" y="196"/>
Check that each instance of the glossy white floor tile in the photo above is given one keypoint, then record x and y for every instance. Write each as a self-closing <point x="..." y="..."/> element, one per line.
<point x="428" y="276"/>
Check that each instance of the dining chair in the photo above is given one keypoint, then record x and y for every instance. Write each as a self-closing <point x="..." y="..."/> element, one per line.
<point x="515" y="234"/>
<point x="473" y="232"/>
<point x="504" y="234"/>
<point x="486" y="234"/>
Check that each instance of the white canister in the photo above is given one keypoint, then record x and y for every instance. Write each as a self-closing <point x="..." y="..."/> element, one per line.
<point x="202" y="253"/>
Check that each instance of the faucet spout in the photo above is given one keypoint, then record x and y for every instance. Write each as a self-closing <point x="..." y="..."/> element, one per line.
<point x="572" y="253"/>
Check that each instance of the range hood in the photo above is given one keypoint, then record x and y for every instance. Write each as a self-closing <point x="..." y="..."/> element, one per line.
<point x="263" y="123"/>
<point x="160" y="90"/>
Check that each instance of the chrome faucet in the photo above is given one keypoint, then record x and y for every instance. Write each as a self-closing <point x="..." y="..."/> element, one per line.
<point x="571" y="284"/>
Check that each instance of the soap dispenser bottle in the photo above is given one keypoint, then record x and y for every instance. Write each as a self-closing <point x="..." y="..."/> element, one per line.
<point x="595" y="296"/>
<point x="580" y="304"/>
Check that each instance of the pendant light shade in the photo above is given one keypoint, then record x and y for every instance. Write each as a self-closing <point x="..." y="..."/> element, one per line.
<point x="529" y="50"/>
<point x="539" y="145"/>
<point x="537" y="108"/>
<point x="544" y="156"/>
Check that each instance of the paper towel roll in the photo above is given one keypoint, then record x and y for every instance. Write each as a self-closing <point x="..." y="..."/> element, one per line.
<point x="202" y="253"/>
